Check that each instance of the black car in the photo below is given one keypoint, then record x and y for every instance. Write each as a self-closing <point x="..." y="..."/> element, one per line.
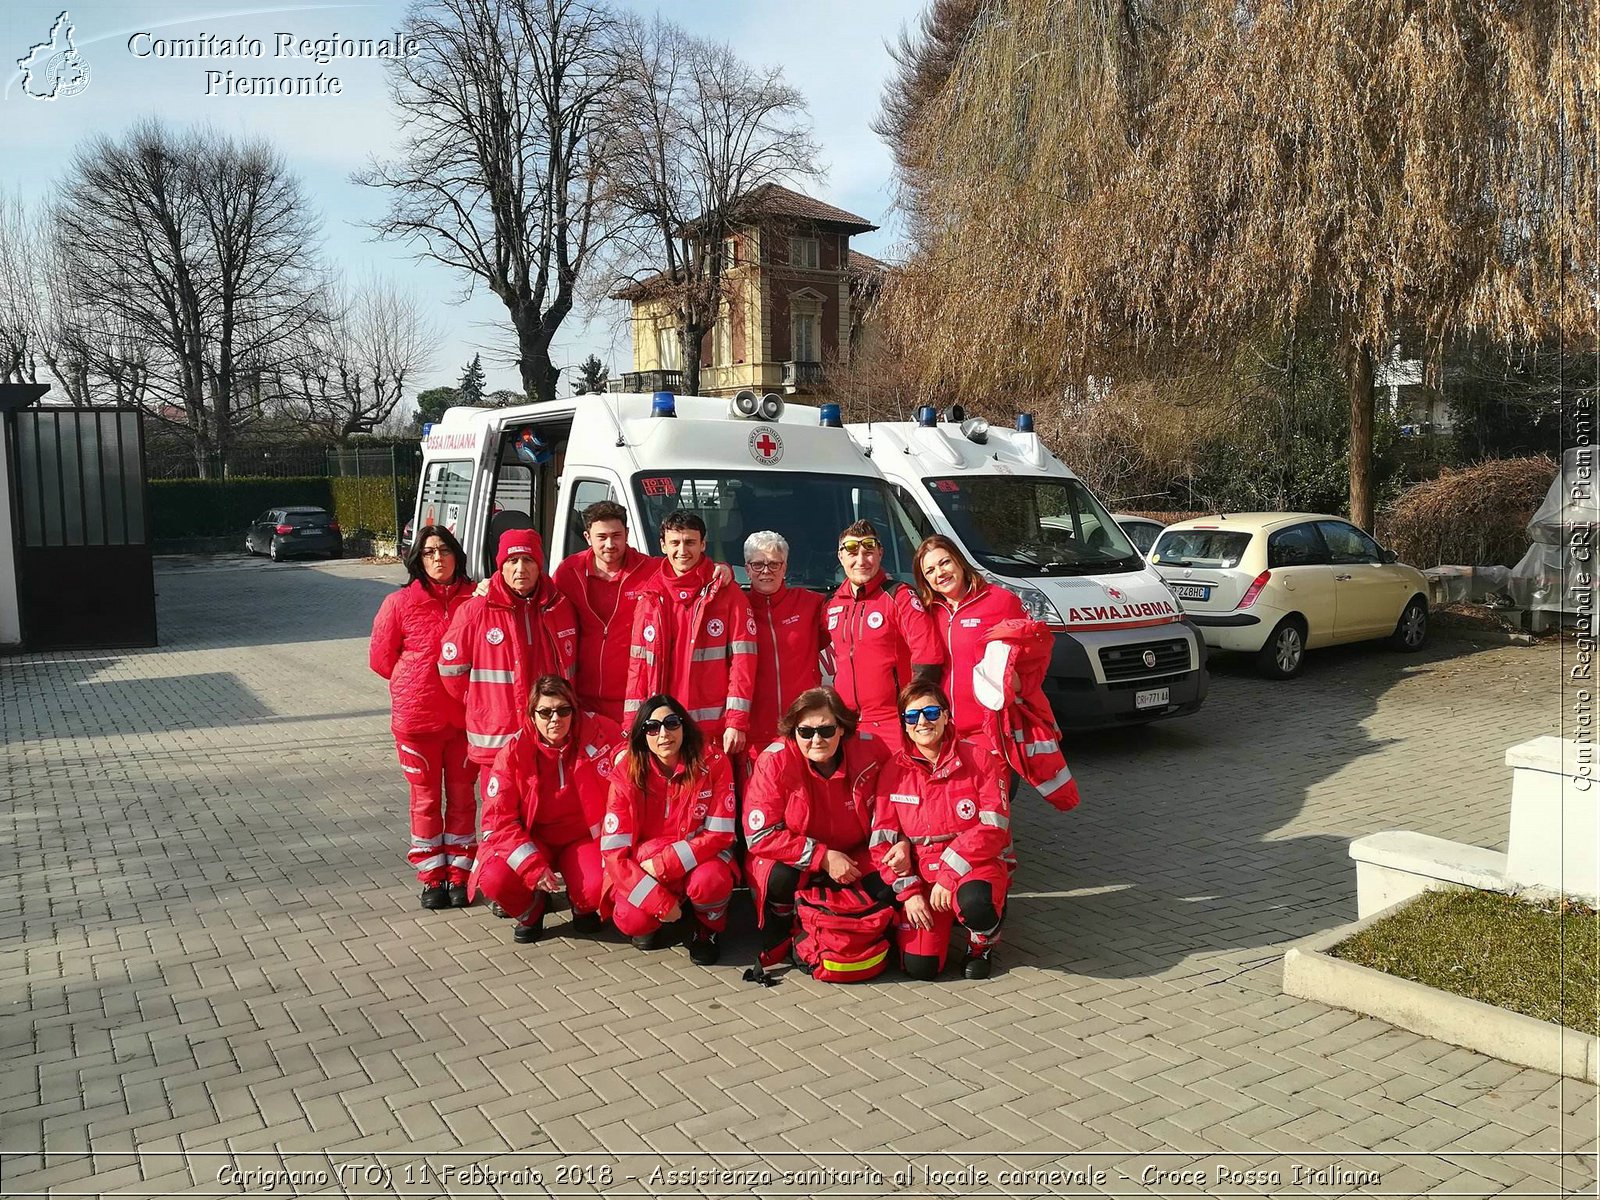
<point x="294" y="529"/>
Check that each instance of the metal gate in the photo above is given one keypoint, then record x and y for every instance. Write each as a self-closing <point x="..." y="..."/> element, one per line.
<point x="85" y="576"/>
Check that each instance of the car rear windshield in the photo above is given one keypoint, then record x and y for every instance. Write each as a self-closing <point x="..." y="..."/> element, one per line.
<point x="1029" y="526"/>
<point x="1200" y="548"/>
<point x="299" y="520"/>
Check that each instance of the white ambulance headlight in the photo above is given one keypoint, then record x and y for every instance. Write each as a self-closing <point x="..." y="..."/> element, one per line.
<point x="771" y="406"/>
<point x="746" y="403"/>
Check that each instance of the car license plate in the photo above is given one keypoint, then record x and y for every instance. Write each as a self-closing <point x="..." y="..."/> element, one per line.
<point x="1192" y="591"/>
<point x="1154" y="698"/>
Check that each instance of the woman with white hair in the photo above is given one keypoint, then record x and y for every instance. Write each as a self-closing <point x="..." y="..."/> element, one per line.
<point x="790" y="634"/>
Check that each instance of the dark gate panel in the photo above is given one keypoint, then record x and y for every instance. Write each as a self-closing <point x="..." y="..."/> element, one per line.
<point x="85" y="575"/>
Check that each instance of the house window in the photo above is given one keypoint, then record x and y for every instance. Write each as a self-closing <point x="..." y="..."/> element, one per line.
<point x="803" y="252"/>
<point x="722" y="337"/>
<point x="668" y="348"/>
<point x="730" y="253"/>
<point x="805" y="333"/>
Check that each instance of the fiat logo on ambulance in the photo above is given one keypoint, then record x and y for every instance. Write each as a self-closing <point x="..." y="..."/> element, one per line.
<point x="766" y="447"/>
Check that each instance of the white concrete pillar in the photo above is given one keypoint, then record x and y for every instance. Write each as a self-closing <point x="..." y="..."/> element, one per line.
<point x="1555" y="798"/>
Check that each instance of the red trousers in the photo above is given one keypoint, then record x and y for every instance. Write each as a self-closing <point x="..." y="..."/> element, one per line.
<point x="935" y="942"/>
<point x="444" y="814"/>
<point x="706" y="888"/>
<point x="578" y="864"/>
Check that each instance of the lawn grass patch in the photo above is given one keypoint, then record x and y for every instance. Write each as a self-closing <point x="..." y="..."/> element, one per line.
<point x="1530" y="956"/>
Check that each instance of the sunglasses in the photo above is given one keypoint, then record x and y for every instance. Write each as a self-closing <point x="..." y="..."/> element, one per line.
<point x="806" y="732"/>
<point x="930" y="714"/>
<point x="559" y="713"/>
<point x="653" y="726"/>
<point x="869" y="545"/>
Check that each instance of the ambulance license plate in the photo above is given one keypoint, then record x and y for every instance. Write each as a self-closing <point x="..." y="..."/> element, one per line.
<point x="1154" y="698"/>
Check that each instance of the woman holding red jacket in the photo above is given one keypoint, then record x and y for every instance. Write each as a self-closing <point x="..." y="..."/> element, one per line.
<point x="542" y="811"/>
<point x="964" y="607"/>
<point x="429" y="733"/>
<point x="668" y="831"/>
<point x="808" y="812"/>
<point x="942" y="834"/>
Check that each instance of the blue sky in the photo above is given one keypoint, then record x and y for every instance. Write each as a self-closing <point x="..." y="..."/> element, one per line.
<point x="834" y="51"/>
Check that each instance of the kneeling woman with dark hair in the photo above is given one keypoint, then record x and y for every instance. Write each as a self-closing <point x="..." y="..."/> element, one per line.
<point x="668" y="830"/>
<point x="542" y="811"/>
<point x="943" y="829"/>
<point x="808" y="809"/>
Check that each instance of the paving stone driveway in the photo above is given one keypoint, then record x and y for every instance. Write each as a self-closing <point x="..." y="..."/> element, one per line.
<point x="214" y="967"/>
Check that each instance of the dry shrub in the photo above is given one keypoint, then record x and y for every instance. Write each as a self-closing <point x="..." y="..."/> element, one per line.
<point x="1475" y="516"/>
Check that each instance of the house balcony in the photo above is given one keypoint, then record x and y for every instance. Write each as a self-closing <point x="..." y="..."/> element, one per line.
<point x="797" y="375"/>
<point x="647" y="381"/>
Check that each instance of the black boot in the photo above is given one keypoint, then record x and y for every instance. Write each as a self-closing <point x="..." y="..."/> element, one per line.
<point x="458" y="895"/>
<point x="647" y="941"/>
<point x="586" y="922"/>
<point x="704" y="947"/>
<point x="531" y="932"/>
<point x="978" y="965"/>
<point x="435" y="895"/>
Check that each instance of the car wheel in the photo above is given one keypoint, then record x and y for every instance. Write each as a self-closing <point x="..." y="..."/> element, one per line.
<point x="250" y="551"/>
<point x="1411" y="631"/>
<point x="1285" y="651"/>
<point x="274" y="553"/>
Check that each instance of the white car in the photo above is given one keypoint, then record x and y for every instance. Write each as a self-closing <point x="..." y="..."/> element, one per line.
<point x="1141" y="531"/>
<point x="1278" y="584"/>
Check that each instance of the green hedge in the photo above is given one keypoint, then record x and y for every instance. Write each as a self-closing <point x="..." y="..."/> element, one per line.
<point x="189" y="508"/>
<point x="185" y="508"/>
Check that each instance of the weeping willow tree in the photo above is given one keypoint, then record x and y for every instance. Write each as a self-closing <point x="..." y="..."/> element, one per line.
<point x="1096" y="181"/>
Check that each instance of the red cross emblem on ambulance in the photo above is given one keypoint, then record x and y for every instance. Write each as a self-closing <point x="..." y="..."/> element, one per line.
<point x="766" y="446"/>
<point x="1114" y="593"/>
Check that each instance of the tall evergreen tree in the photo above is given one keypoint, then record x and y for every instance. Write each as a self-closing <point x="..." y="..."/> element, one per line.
<point x="470" y="389"/>
<point x="592" y="377"/>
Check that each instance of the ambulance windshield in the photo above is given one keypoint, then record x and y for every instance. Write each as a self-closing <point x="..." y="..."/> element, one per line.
<point x="1031" y="526"/>
<point x="809" y="510"/>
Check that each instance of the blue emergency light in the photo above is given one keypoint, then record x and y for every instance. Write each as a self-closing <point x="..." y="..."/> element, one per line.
<point x="427" y="428"/>
<point x="663" y="404"/>
<point x="1024" y="422"/>
<point x="830" y="416"/>
<point x="927" y="416"/>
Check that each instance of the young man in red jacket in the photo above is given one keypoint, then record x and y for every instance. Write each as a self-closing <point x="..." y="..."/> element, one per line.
<point x="882" y="637"/>
<point x="790" y="635"/>
<point x="694" y="639"/>
<point x="499" y="643"/>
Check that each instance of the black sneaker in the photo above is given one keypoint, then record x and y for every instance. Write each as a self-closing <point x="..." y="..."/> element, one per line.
<point x="458" y="895"/>
<point x="434" y="895"/>
<point x="704" y="948"/>
<point x="496" y="910"/>
<point x="531" y="932"/>
<point x="586" y="922"/>
<point x="978" y="965"/>
<point x="647" y="941"/>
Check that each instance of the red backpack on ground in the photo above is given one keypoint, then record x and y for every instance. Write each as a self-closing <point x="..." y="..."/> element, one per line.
<point x="841" y="932"/>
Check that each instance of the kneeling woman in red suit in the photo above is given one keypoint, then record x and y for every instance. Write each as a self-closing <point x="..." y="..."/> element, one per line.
<point x="542" y="809"/>
<point x="942" y="831"/>
<point x="668" y="830"/>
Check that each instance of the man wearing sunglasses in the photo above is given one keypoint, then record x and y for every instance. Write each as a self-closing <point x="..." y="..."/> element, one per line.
<point x="694" y="639"/>
<point x="790" y="635"/>
<point x="882" y="637"/>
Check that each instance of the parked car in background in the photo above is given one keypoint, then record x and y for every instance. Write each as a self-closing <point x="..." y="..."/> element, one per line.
<point x="1141" y="531"/>
<point x="1277" y="584"/>
<point x="294" y="530"/>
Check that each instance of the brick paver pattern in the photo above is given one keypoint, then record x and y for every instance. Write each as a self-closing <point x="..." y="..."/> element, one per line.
<point x="213" y="944"/>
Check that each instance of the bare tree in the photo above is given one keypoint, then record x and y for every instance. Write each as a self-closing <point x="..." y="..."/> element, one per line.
<point x="698" y="131"/>
<point x="498" y="172"/>
<point x="197" y="251"/>
<point x="346" y="372"/>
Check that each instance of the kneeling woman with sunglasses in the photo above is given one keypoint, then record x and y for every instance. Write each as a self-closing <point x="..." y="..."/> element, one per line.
<point x="942" y="830"/>
<point x="808" y="809"/>
<point x="542" y="809"/>
<point x="668" y="831"/>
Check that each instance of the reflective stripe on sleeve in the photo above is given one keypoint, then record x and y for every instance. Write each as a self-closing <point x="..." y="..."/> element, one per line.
<point x="641" y="652"/>
<point x="938" y="840"/>
<point x="454" y="668"/>
<point x="904" y="883"/>
<point x="709" y="653"/>
<point x="955" y="862"/>
<point x="743" y="647"/>
<point x="1033" y="748"/>
<point x="752" y="840"/>
<point x="685" y="855"/>
<point x="641" y="891"/>
<point x="487" y="741"/>
<point x="883" y="837"/>
<point x="485" y="676"/>
<point x="706" y="714"/>
<point x="806" y="853"/>
<point x="521" y="855"/>
<point x="738" y="704"/>
<point x="616" y="841"/>
<point x="722" y="825"/>
<point x="1054" y="785"/>
<point x="998" y="820"/>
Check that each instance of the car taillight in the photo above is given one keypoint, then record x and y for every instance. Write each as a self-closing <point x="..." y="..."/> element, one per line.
<point x="333" y="527"/>
<point x="1254" y="590"/>
<point x="283" y="529"/>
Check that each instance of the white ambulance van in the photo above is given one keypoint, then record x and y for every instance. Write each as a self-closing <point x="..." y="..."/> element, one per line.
<point x="743" y="464"/>
<point x="1124" y="651"/>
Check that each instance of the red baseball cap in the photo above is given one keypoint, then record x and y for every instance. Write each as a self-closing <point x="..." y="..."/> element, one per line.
<point x="519" y="541"/>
